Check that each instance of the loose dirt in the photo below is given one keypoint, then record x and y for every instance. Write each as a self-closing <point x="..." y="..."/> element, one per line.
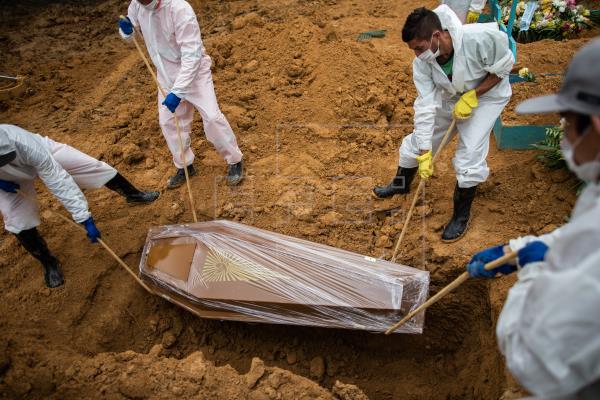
<point x="319" y="117"/>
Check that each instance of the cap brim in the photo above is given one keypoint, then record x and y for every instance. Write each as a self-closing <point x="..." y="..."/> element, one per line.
<point x="542" y="105"/>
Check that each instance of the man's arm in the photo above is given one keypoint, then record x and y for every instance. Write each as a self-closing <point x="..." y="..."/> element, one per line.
<point x="187" y="35"/>
<point x="56" y="179"/>
<point x="425" y="105"/>
<point x="488" y="83"/>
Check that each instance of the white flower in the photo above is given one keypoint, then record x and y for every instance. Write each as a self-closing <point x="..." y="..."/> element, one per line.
<point x="561" y="9"/>
<point x="524" y="72"/>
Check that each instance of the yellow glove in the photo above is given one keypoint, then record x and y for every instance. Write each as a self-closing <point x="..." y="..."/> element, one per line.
<point x="465" y="105"/>
<point x="472" y="17"/>
<point x="425" y="165"/>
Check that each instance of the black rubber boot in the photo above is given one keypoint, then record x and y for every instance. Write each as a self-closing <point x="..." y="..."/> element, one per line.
<point x="235" y="173"/>
<point x="36" y="246"/>
<point x="122" y="186"/>
<point x="399" y="185"/>
<point x="179" y="178"/>
<point x="456" y="228"/>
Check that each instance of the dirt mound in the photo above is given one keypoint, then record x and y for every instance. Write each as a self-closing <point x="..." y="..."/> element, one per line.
<point x="547" y="59"/>
<point x="319" y="117"/>
<point x="133" y="375"/>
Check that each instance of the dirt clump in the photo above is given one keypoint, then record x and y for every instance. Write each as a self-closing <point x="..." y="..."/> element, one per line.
<point x="134" y="375"/>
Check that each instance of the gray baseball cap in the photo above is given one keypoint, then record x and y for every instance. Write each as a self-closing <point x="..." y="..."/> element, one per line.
<point x="580" y="91"/>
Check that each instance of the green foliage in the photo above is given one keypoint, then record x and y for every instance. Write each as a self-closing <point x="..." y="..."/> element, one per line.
<point x="550" y="148"/>
<point x="595" y="16"/>
<point x="551" y="154"/>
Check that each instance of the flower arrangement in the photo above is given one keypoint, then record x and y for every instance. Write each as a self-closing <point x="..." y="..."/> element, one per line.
<point x="526" y="74"/>
<point x="552" y="19"/>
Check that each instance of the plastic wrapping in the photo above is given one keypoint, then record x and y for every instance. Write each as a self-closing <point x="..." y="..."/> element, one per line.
<point x="229" y="271"/>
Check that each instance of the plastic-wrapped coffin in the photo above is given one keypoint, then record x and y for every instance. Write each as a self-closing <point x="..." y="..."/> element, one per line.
<point x="225" y="270"/>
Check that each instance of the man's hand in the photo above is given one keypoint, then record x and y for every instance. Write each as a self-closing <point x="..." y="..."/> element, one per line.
<point x="171" y="102"/>
<point x="472" y="17"/>
<point x="476" y="266"/>
<point x="465" y="105"/>
<point x="425" y="165"/>
<point x="532" y="252"/>
<point x="126" y="25"/>
<point x="8" y="186"/>
<point x="92" y="232"/>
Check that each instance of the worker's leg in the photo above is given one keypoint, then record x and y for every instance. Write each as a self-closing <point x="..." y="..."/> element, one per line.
<point x="90" y="173"/>
<point x="409" y="150"/>
<point x="21" y="216"/>
<point x="216" y="127"/>
<point x="31" y="240"/>
<point x="87" y="172"/>
<point x="185" y="115"/>
<point x="470" y="165"/>
<point x="123" y="187"/>
<point x="473" y="145"/>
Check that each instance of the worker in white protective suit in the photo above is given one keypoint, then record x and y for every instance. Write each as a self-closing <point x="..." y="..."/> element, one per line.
<point x="172" y="37"/>
<point x="64" y="170"/>
<point x="549" y="327"/>
<point x="461" y="72"/>
<point x="467" y="11"/>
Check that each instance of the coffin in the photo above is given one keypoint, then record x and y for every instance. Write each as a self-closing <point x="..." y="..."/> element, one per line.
<point x="230" y="271"/>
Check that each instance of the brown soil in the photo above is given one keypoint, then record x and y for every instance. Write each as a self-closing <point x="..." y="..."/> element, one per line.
<point x="319" y="117"/>
<point x="543" y="57"/>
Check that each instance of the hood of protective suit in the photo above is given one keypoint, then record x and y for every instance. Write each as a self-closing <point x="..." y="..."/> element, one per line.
<point x="451" y="23"/>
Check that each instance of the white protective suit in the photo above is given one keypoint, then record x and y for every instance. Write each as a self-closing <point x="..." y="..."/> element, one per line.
<point x="479" y="50"/>
<point x="172" y="37"/>
<point x="549" y="328"/>
<point x="63" y="169"/>
<point x="462" y="7"/>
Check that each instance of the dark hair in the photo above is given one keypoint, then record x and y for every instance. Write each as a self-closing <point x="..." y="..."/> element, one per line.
<point x="582" y="122"/>
<point x="420" y="24"/>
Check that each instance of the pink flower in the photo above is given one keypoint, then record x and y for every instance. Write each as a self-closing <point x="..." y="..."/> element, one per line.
<point x="571" y="3"/>
<point x="566" y="26"/>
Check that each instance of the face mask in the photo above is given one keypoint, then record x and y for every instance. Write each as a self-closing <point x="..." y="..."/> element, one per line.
<point x="150" y="6"/>
<point x="588" y="172"/>
<point x="428" y="55"/>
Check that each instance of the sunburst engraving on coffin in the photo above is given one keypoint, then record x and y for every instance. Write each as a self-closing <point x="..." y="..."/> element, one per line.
<point x="223" y="266"/>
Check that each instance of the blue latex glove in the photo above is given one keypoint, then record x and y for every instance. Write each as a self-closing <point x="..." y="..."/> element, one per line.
<point x="533" y="252"/>
<point x="126" y="25"/>
<point x="92" y="232"/>
<point x="8" y="186"/>
<point x="171" y="102"/>
<point x="476" y="266"/>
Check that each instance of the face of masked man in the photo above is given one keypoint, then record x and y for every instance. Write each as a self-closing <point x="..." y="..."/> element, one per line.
<point x="581" y="145"/>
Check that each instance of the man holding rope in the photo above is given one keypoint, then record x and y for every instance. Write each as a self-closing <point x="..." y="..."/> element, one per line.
<point x="548" y="328"/>
<point x="461" y="72"/>
<point x="64" y="170"/>
<point x="172" y="37"/>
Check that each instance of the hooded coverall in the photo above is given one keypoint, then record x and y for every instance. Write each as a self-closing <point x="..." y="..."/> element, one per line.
<point x="172" y="37"/>
<point x="549" y="326"/>
<point x="479" y="50"/>
<point x="63" y="169"/>
<point x="462" y="7"/>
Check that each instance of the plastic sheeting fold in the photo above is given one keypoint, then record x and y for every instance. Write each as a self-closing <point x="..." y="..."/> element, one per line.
<point x="230" y="271"/>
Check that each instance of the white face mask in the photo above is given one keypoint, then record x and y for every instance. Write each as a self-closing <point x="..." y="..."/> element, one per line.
<point x="587" y="172"/>
<point x="150" y="6"/>
<point x="428" y="55"/>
